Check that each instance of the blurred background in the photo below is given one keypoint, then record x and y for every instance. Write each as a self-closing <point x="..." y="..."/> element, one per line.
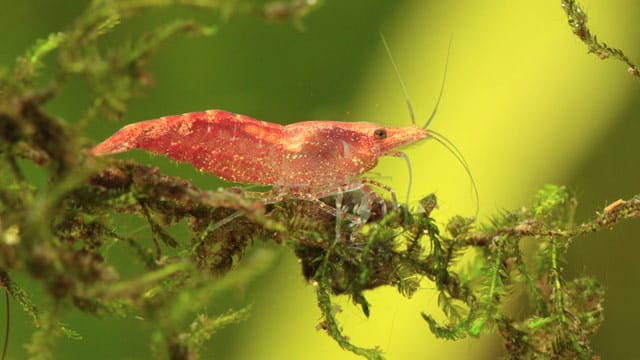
<point x="523" y="101"/>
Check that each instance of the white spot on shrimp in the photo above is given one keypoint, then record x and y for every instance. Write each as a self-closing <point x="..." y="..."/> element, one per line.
<point x="235" y="129"/>
<point x="346" y="149"/>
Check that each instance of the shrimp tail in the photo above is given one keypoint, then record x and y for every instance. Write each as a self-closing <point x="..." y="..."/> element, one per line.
<point x="124" y="140"/>
<point x="157" y="136"/>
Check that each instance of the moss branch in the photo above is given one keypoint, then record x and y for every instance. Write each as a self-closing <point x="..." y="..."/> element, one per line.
<point x="578" y="23"/>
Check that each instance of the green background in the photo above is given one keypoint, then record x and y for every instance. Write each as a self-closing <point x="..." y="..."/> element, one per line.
<point x="524" y="102"/>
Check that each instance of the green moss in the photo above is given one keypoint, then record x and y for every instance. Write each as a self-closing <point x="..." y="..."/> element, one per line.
<point x="577" y="19"/>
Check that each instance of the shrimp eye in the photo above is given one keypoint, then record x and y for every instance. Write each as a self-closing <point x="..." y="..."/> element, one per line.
<point x="380" y="134"/>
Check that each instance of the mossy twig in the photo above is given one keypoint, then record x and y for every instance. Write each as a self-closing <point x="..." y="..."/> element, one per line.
<point x="578" y="23"/>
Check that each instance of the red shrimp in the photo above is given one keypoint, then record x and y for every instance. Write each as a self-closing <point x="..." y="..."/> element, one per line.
<point x="305" y="157"/>
<point x="305" y="160"/>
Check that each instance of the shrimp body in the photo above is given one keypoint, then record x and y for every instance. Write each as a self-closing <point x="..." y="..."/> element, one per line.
<point x="307" y="157"/>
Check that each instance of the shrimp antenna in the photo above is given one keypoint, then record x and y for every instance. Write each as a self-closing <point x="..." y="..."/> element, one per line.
<point x="444" y="77"/>
<point x="404" y="88"/>
<point x="458" y="155"/>
<point x="406" y="159"/>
